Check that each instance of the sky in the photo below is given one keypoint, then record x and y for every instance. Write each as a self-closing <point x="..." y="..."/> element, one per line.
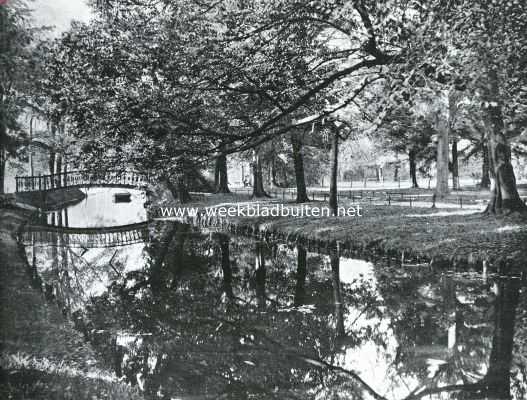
<point x="59" y="13"/>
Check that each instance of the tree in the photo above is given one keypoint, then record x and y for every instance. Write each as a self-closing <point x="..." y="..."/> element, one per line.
<point x="298" y="160"/>
<point x="486" y="39"/>
<point x="16" y="72"/>
<point x="405" y="131"/>
<point x="221" y="180"/>
<point x="216" y="80"/>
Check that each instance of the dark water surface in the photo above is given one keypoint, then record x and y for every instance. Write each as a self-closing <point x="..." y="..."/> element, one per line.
<point x="194" y="314"/>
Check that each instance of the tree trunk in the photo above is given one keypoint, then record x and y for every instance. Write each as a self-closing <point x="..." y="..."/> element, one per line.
<point x="301" y="272"/>
<point x="31" y="161"/>
<point x="441" y="189"/>
<point x="455" y="165"/>
<point x="258" y="186"/>
<point x="179" y="189"/>
<point x="65" y="172"/>
<point x="162" y="248"/>
<point x="182" y="190"/>
<point x="485" y="169"/>
<point x="274" y="181"/>
<point x="52" y="154"/>
<point x="504" y="193"/>
<point x="3" y="138"/>
<point x="298" y="160"/>
<point x="221" y="179"/>
<point x="58" y="170"/>
<point x="333" y="189"/>
<point x="216" y="174"/>
<point x="413" y="168"/>
<point x="3" y="160"/>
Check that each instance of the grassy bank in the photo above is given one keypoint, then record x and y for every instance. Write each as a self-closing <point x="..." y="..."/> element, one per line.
<point x="443" y="236"/>
<point x="43" y="356"/>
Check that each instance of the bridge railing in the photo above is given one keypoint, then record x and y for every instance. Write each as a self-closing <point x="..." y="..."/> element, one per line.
<point x="79" y="178"/>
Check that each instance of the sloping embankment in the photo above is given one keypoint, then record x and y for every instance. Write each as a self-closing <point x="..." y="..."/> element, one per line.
<point x="446" y="238"/>
<point x="43" y="356"/>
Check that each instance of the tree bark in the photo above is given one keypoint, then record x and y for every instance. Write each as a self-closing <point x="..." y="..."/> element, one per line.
<point x="3" y="138"/>
<point x="333" y="189"/>
<point x="298" y="160"/>
<point x="58" y="170"/>
<point x="258" y="186"/>
<point x="455" y="165"/>
<point x="274" y="181"/>
<point x="182" y="190"/>
<point x="504" y="193"/>
<point x="31" y="161"/>
<point x="485" y="169"/>
<point x="216" y="174"/>
<point x="441" y="189"/>
<point x="413" y="168"/>
<point x="179" y="189"/>
<point x="161" y="248"/>
<point x="3" y="159"/>
<point x="52" y="153"/>
<point x="221" y="179"/>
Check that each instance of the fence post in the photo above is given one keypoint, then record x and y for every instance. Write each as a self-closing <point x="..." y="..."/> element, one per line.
<point x="389" y="199"/>
<point x="39" y="182"/>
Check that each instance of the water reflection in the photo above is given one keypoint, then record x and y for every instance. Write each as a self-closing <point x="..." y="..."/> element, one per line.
<point x="203" y="314"/>
<point x="100" y="209"/>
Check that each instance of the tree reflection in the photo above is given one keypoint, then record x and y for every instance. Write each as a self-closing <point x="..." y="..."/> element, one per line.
<point x="301" y="272"/>
<point x="337" y="296"/>
<point x="226" y="265"/>
<point x="219" y="316"/>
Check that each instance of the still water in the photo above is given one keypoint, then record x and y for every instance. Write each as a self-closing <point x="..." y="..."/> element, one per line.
<point x="193" y="314"/>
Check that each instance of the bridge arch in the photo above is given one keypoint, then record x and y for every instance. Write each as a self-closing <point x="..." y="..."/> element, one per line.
<point x="77" y="179"/>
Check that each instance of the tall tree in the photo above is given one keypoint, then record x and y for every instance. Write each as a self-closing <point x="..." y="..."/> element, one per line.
<point x="16" y="66"/>
<point x="488" y="40"/>
<point x="221" y="178"/>
<point x="298" y="160"/>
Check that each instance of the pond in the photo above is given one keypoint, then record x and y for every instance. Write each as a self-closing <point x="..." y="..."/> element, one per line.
<point x="192" y="314"/>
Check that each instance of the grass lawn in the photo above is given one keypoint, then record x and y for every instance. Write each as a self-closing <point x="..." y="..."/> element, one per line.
<point x="446" y="234"/>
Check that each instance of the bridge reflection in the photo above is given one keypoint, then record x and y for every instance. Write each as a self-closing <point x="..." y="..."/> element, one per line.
<point x="106" y="237"/>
